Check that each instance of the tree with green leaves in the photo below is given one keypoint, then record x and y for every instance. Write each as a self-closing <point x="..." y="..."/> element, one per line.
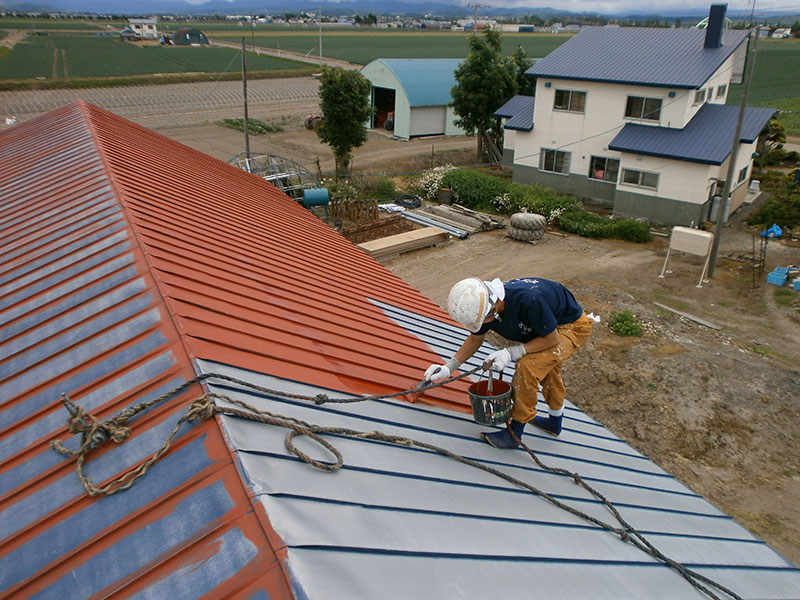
<point x="346" y="109"/>
<point x="484" y="82"/>
<point x="519" y="62"/>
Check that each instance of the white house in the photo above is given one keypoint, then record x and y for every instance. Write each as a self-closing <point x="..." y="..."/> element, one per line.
<point x="635" y="119"/>
<point x="144" y="28"/>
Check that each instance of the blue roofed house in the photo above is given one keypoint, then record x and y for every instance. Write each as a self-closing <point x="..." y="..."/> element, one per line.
<point x="635" y="119"/>
<point x="411" y="95"/>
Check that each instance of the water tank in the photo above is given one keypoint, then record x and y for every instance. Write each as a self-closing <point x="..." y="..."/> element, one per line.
<point x="315" y="197"/>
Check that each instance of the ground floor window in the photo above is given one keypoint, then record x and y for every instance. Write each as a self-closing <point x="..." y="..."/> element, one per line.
<point x="605" y="169"/>
<point x="742" y="175"/>
<point x="555" y="161"/>
<point x="640" y="178"/>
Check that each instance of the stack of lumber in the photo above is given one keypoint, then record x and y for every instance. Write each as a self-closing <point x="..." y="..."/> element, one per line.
<point x="405" y="242"/>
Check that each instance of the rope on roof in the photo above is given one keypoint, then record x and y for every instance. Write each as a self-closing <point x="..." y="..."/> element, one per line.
<point x="95" y="434"/>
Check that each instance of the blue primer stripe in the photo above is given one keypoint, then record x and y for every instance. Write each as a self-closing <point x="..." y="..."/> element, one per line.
<point x="64" y="536"/>
<point x="94" y="244"/>
<point x="82" y="296"/>
<point x="75" y="267"/>
<point x="79" y="355"/>
<point x="70" y="286"/>
<point x="463" y="437"/>
<point x="259" y="595"/>
<point x="77" y="334"/>
<point x="487" y="517"/>
<point x="49" y="259"/>
<point x="107" y="215"/>
<point x="32" y="468"/>
<point x="10" y="416"/>
<point x="187" y="521"/>
<point x="509" y="490"/>
<point x="67" y="321"/>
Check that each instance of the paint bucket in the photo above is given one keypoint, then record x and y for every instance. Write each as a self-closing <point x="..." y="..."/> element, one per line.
<point x="491" y="400"/>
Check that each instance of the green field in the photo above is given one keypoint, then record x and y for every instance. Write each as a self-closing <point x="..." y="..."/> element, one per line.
<point x="71" y="56"/>
<point x="52" y="24"/>
<point x="363" y="47"/>
<point x="775" y="82"/>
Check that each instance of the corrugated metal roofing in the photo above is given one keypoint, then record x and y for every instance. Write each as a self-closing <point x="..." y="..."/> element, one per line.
<point x="659" y="57"/>
<point x="705" y="139"/>
<point x="519" y="112"/>
<point x="116" y="288"/>
<point x="426" y="81"/>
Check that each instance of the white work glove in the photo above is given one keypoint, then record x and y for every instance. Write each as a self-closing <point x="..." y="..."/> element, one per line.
<point x="500" y="359"/>
<point x="439" y="372"/>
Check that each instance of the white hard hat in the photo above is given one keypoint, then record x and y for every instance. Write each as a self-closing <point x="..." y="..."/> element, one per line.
<point x="469" y="302"/>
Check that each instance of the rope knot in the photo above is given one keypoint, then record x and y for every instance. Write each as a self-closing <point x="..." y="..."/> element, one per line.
<point x="202" y="408"/>
<point x="120" y="434"/>
<point x="624" y="535"/>
<point x="321" y="399"/>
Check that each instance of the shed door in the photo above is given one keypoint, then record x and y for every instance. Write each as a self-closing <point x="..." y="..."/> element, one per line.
<point x="428" y="120"/>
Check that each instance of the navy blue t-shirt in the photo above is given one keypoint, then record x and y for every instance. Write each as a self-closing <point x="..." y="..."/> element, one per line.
<point x="533" y="308"/>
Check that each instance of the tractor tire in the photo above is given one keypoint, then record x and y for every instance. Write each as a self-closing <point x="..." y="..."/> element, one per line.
<point x="309" y="123"/>
<point x="530" y="221"/>
<point x="525" y="235"/>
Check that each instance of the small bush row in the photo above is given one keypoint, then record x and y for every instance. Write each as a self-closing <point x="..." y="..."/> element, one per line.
<point x="254" y="126"/>
<point x="480" y="191"/>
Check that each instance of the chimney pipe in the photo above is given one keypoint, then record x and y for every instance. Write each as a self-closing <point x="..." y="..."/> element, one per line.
<point x="716" y="20"/>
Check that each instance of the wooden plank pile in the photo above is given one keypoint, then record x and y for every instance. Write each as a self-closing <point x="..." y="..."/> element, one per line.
<point x="405" y="242"/>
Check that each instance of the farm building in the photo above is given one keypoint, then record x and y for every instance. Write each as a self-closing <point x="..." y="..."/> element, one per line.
<point x="146" y="29"/>
<point x="647" y="133"/>
<point x="138" y="303"/>
<point x="413" y="94"/>
<point x="186" y="36"/>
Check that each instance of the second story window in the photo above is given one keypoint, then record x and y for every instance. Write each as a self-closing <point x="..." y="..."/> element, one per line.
<point x="639" y="107"/>
<point x="570" y="100"/>
<point x="721" y="90"/>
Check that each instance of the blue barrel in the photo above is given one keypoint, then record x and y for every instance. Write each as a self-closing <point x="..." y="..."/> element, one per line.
<point x="316" y="197"/>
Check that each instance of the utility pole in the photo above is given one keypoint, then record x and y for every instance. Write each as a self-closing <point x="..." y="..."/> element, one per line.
<point x="319" y="19"/>
<point x="724" y="202"/>
<point x="476" y="6"/>
<point x="244" y="93"/>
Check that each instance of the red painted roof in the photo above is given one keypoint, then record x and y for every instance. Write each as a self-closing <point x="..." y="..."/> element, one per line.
<point x="125" y="256"/>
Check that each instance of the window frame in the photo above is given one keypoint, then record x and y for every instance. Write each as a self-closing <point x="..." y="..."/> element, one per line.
<point x="593" y="169"/>
<point x="700" y="96"/>
<point x="639" y="179"/>
<point x="565" y="164"/>
<point x="724" y="88"/>
<point x="743" y="173"/>
<point x="641" y="116"/>
<point x="569" y="103"/>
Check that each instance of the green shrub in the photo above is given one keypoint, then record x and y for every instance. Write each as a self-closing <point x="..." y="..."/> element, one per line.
<point x="472" y="189"/>
<point x="782" y="208"/>
<point x="587" y="224"/>
<point x="625" y="324"/>
<point x="536" y="199"/>
<point x="376" y="186"/>
<point x="254" y="126"/>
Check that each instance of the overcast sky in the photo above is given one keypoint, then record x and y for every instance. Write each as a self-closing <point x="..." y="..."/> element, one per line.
<point x="624" y="6"/>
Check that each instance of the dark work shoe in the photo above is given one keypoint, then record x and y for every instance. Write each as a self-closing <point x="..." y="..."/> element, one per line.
<point x="502" y="439"/>
<point x="550" y="424"/>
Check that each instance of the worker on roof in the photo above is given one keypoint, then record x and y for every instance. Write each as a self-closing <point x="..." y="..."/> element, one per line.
<point x="546" y="324"/>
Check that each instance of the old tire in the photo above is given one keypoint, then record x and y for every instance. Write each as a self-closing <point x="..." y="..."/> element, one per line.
<point x="408" y="201"/>
<point x="530" y="221"/>
<point x="525" y="235"/>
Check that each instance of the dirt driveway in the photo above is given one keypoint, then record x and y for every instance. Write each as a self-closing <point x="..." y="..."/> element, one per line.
<point x="719" y="409"/>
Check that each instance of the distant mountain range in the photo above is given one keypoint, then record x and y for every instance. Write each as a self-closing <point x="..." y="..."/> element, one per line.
<point x="409" y="8"/>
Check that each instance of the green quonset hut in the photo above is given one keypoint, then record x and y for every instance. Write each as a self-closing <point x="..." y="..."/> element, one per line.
<point x="413" y="95"/>
<point x="186" y="36"/>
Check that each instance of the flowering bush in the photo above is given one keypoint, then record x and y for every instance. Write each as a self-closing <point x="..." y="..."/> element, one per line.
<point x="430" y="181"/>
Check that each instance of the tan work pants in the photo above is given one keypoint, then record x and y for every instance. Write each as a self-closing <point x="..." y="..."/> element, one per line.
<point x="545" y="368"/>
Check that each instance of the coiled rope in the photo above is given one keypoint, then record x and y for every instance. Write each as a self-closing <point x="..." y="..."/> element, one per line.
<point x="94" y="434"/>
